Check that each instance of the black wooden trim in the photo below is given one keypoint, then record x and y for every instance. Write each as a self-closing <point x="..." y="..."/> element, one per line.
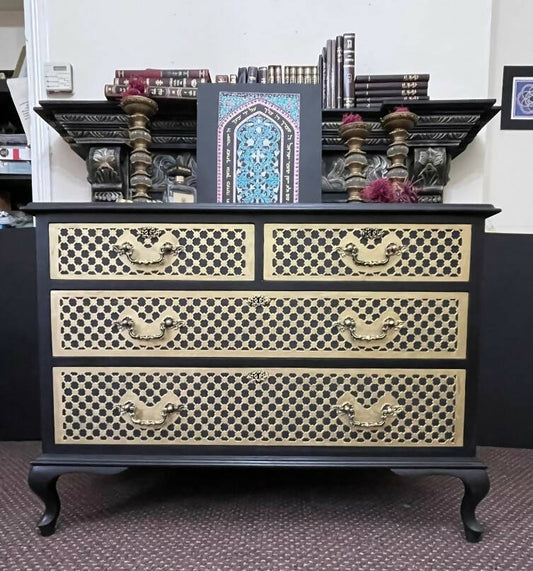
<point x="254" y="460"/>
<point x="484" y="210"/>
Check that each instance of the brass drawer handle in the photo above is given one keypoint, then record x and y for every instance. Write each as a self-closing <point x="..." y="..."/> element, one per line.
<point x="352" y="250"/>
<point x="128" y="324"/>
<point x="386" y="412"/>
<point x="348" y="324"/>
<point x="130" y="409"/>
<point x="127" y="250"/>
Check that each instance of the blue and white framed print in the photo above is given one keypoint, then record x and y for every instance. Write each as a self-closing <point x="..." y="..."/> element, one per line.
<point x="517" y="97"/>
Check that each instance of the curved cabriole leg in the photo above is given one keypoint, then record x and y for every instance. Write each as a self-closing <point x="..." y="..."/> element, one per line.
<point x="43" y="480"/>
<point x="476" y="483"/>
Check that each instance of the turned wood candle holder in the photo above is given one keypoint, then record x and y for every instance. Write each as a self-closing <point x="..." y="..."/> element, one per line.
<point x="353" y="135"/>
<point x="398" y="124"/>
<point x="140" y="110"/>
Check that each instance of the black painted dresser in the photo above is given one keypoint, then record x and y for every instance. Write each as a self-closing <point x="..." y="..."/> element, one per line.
<point x="342" y="335"/>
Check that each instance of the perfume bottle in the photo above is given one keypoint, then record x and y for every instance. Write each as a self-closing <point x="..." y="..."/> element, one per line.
<point x="177" y="190"/>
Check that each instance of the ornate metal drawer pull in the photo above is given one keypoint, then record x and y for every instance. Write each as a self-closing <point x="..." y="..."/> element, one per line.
<point x="387" y="411"/>
<point x="258" y="300"/>
<point x="349" y="324"/>
<point x="127" y="250"/>
<point x="130" y="409"/>
<point x="352" y="250"/>
<point x="167" y="323"/>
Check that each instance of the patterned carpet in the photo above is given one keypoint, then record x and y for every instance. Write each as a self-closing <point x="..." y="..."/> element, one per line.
<point x="366" y="520"/>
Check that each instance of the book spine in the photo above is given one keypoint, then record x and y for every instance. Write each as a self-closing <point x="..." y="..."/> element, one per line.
<point x="270" y="74"/>
<point x="278" y="74"/>
<point x="252" y="74"/>
<point x="330" y="75"/>
<point x="287" y="74"/>
<point x="262" y="74"/>
<point x="162" y="82"/>
<point x="175" y="73"/>
<point x="348" y="70"/>
<point x="389" y="78"/>
<point x="233" y="78"/>
<point x="398" y="98"/>
<point x="339" y="93"/>
<point x="172" y="92"/>
<point x="293" y="74"/>
<point x="114" y="91"/>
<point x="222" y="79"/>
<point x="324" y="79"/>
<point x="242" y="75"/>
<point x="393" y="86"/>
<point x="308" y="75"/>
<point x="390" y="93"/>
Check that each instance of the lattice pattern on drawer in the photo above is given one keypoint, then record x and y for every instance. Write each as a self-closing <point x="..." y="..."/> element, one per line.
<point x="280" y="407"/>
<point x="427" y="252"/>
<point x="194" y="251"/>
<point x="299" y="324"/>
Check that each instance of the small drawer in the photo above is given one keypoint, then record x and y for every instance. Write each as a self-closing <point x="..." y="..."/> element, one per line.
<point x="269" y="407"/>
<point x="152" y="251"/>
<point x="377" y="252"/>
<point x="429" y="325"/>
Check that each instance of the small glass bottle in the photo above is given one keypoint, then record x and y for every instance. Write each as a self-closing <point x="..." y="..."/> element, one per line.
<point x="178" y="191"/>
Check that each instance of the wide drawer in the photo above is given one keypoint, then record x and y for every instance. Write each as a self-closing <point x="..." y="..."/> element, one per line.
<point x="276" y="324"/>
<point x="278" y="407"/>
<point x="154" y="251"/>
<point x="376" y="252"/>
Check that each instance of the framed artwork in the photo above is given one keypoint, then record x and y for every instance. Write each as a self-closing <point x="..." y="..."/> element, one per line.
<point x="259" y="144"/>
<point x="517" y="97"/>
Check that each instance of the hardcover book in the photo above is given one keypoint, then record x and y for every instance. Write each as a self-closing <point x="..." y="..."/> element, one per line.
<point x="259" y="144"/>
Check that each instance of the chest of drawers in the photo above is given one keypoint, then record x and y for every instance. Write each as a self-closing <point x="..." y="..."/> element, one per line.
<point x="318" y="335"/>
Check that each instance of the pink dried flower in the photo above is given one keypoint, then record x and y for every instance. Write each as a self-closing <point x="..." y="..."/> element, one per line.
<point x="400" y="108"/>
<point x="137" y="86"/>
<point x="351" y="118"/>
<point x="385" y="190"/>
<point x="379" y="190"/>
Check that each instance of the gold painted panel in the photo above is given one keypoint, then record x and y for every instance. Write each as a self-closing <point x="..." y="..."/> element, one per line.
<point x="362" y="252"/>
<point x="381" y="325"/>
<point x="243" y="406"/>
<point x="152" y="251"/>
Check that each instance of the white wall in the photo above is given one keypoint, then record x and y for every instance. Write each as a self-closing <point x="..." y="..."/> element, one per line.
<point x="508" y="183"/>
<point x="11" y="37"/>
<point x="450" y="40"/>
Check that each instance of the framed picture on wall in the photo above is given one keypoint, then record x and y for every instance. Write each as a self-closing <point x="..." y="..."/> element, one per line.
<point x="517" y="97"/>
<point x="259" y="144"/>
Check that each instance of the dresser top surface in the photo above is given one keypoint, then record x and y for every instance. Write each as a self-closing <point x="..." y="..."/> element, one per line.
<point x="482" y="210"/>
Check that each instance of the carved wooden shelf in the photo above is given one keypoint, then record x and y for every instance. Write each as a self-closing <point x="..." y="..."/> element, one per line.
<point x="444" y="130"/>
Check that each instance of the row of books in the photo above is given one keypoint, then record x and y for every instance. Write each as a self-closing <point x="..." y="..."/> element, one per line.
<point x="371" y="91"/>
<point x="157" y="83"/>
<point x="299" y="74"/>
<point x="336" y="71"/>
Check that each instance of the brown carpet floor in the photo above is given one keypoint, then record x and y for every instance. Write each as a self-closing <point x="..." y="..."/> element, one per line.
<point x="366" y="520"/>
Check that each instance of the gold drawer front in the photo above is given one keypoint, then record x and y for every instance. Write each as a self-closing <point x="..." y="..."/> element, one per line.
<point x="380" y="252"/>
<point x="275" y="324"/>
<point x="155" y="251"/>
<point x="276" y="407"/>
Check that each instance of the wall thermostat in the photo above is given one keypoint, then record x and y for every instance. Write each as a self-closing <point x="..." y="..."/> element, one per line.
<point x="58" y="77"/>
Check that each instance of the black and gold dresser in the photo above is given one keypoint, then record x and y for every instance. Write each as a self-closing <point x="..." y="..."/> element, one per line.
<point x="341" y="335"/>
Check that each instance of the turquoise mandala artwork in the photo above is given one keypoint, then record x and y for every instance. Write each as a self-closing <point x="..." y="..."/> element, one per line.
<point x="258" y="143"/>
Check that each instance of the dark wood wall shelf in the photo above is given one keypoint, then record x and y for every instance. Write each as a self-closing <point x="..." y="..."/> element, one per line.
<point x="445" y="128"/>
